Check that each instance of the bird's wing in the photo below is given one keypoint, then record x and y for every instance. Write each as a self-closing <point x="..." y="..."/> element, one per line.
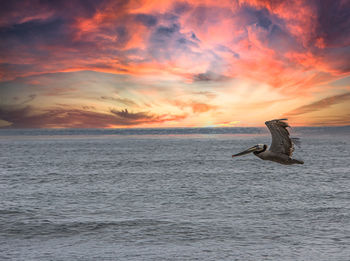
<point x="281" y="141"/>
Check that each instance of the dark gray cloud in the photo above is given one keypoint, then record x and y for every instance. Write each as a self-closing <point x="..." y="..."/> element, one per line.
<point x="167" y="31"/>
<point x="146" y="19"/>
<point x="123" y="35"/>
<point x="33" y="30"/>
<point x="194" y="37"/>
<point x="27" y="117"/>
<point x="263" y="20"/>
<point x="125" y="114"/>
<point x="252" y="16"/>
<point x="333" y="22"/>
<point x="15" y="10"/>
<point x="209" y="77"/>
<point x="168" y="42"/>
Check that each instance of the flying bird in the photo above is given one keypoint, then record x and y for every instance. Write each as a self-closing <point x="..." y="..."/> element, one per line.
<point x="282" y="145"/>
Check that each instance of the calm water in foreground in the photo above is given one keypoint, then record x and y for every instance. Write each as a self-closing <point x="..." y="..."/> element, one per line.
<point x="172" y="195"/>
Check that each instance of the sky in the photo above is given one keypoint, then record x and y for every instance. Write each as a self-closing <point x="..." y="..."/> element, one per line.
<point x="148" y="63"/>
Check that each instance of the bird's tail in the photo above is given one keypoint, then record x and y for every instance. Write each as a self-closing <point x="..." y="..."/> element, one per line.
<point x="296" y="141"/>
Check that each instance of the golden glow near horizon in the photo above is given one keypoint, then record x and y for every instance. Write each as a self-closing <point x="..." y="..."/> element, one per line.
<point x="115" y="64"/>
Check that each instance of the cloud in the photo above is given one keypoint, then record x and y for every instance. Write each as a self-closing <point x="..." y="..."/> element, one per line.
<point x="209" y="95"/>
<point x="20" y="101"/>
<point x="273" y="38"/>
<point x="168" y="43"/>
<point x="146" y="19"/>
<point x="209" y="77"/>
<point x="29" y="99"/>
<point x="47" y="32"/>
<point x="29" y="117"/>
<point x="201" y="107"/>
<point x="320" y="105"/>
<point x="124" y="101"/>
<point x="333" y="24"/>
<point x="126" y="115"/>
<point x="85" y="107"/>
<point x="181" y="7"/>
<point x="334" y="120"/>
<point x="196" y="107"/>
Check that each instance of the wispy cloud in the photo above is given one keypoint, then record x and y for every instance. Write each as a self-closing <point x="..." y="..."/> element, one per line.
<point x="124" y="101"/>
<point x="320" y="105"/>
<point x="27" y="99"/>
<point x="209" y="77"/>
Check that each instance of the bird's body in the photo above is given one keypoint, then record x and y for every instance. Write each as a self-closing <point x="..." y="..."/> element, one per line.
<point x="281" y="148"/>
<point x="277" y="157"/>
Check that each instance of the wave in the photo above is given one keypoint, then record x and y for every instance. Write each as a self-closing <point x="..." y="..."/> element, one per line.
<point x="165" y="131"/>
<point x="134" y="131"/>
<point x="33" y="228"/>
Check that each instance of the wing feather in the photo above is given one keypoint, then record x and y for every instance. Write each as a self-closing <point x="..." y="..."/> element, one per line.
<point x="281" y="140"/>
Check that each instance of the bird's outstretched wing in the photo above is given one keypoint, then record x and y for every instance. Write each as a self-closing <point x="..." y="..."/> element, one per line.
<point x="281" y="141"/>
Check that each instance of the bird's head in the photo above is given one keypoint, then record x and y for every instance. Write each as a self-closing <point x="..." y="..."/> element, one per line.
<point x="256" y="149"/>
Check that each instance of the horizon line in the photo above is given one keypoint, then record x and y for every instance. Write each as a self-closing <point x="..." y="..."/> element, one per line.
<point x="195" y="127"/>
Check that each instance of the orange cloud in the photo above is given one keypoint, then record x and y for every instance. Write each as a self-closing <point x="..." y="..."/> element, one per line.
<point x="320" y="105"/>
<point x="196" y="107"/>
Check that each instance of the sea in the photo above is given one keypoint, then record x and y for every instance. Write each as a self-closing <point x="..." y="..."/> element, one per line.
<point x="172" y="194"/>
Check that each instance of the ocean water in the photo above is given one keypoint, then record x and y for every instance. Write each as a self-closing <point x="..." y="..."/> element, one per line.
<point x="160" y="194"/>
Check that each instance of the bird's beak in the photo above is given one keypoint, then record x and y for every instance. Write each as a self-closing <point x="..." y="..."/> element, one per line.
<point x="246" y="151"/>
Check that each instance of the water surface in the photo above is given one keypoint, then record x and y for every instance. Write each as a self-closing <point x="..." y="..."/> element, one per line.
<point x="159" y="194"/>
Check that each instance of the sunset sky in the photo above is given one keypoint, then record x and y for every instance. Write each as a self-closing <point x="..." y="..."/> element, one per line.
<point x="147" y="63"/>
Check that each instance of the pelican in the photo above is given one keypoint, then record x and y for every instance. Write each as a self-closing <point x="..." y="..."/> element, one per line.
<point x="282" y="145"/>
